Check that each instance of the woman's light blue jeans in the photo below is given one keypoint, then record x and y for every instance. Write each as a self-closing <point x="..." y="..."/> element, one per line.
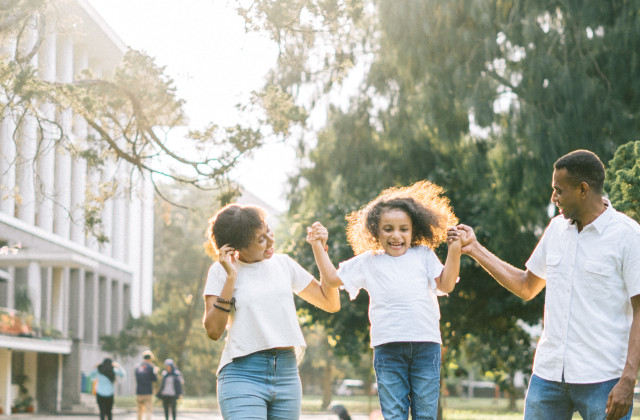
<point x="261" y="386"/>
<point x="408" y="376"/>
<point x="558" y="400"/>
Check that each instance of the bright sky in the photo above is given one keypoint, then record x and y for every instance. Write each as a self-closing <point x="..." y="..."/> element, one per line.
<point x="214" y="64"/>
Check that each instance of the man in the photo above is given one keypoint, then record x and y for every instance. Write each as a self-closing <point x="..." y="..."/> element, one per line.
<point x="146" y="375"/>
<point x="589" y="260"/>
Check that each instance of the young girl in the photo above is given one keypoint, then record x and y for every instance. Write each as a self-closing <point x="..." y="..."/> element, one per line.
<point x="250" y="292"/>
<point x="393" y="238"/>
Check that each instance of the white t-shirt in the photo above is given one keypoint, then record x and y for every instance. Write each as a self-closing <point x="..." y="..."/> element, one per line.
<point x="403" y="302"/>
<point x="590" y="277"/>
<point x="265" y="313"/>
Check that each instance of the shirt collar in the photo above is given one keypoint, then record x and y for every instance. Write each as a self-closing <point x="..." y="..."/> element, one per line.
<point x="601" y="221"/>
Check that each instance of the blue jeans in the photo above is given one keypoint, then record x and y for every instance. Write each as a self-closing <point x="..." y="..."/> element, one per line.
<point x="263" y="385"/>
<point x="408" y="376"/>
<point x="558" y="400"/>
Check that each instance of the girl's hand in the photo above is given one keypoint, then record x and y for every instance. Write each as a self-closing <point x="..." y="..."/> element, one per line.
<point x="317" y="232"/>
<point x="227" y="258"/>
<point x="455" y="237"/>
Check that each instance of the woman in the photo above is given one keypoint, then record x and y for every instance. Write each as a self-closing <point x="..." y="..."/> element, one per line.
<point x="170" y="388"/>
<point x="105" y="374"/>
<point x="249" y="291"/>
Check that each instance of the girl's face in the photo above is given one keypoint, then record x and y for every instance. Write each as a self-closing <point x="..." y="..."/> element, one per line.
<point x="260" y="248"/>
<point x="395" y="232"/>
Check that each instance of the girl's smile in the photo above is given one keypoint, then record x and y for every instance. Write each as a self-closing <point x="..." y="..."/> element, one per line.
<point x="395" y="232"/>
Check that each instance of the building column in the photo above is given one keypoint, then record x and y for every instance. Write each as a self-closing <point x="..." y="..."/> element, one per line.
<point x="94" y="328"/>
<point x="135" y="247"/>
<point x="79" y="165"/>
<point x="59" y="299"/>
<point x="11" y="288"/>
<point x="46" y="149"/>
<point x="47" y="294"/>
<point x="27" y="148"/>
<point x="108" y="178"/>
<point x="7" y="149"/>
<point x="34" y="284"/>
<point x="77" y="297"/>
<point x="118" y="318"/>
<point x="62" y="221"/>
<point x="5" y="381"/>
<point x="146" y="271"/>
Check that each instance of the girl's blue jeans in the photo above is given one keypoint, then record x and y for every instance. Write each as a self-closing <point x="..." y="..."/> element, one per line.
<point x="261" y="386"/>
<point x="408" y="376"/>
<point x="558" y="400"/>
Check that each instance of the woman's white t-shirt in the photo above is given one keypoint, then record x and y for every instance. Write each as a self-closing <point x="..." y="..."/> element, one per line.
<point x="403" y="301"/>
<point x="265" y="313"/>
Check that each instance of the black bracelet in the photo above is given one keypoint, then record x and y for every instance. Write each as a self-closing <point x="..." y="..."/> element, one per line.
<point x="229" y="302"/>
<point x="221" y="308"/>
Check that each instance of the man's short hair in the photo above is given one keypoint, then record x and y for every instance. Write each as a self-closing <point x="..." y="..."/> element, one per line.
<point x="583" y="166"/>
<point x="147" y="355"/>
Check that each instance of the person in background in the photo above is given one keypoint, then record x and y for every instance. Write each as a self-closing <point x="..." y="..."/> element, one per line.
<point x="105" y="374"/>
<point x="170" y="388"/>
<point x="146" y="376"/>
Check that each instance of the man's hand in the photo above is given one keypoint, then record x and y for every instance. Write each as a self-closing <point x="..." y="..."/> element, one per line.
<point x="620" y="399"/>
<point x="466" y="235"/>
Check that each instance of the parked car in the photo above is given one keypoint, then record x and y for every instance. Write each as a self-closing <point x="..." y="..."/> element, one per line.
<point x="350" y="387"/>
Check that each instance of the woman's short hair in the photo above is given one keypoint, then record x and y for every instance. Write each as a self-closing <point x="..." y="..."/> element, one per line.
<point x="235" y="225"/>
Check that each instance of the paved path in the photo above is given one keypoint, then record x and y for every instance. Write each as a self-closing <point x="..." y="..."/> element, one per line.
<point x="159" y="415"/>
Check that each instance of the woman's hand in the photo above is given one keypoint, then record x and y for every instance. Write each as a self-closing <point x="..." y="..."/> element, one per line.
<point x="227" y="259"/>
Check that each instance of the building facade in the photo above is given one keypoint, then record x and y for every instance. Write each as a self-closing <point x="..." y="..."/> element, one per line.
<point x="60" y="288"/>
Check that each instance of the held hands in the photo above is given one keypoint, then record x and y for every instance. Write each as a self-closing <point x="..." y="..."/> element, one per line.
<point x="317" y="233"/>
<point x="464" y="234"/>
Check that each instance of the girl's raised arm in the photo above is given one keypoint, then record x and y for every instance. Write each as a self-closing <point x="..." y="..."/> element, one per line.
<point x="324" y="293"/>
<point x="449" y="276"/>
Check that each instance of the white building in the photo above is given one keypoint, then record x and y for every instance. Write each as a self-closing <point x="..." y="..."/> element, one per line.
<point x="73" y="284"/>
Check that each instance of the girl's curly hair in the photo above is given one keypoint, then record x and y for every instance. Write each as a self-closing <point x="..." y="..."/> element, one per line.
<point x="423" y="201"/>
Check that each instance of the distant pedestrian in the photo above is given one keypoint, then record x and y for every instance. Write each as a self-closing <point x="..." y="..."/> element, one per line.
<point x="146" y="375"/>
<point x="170" y="389"/>
<point x="105" y="373"/>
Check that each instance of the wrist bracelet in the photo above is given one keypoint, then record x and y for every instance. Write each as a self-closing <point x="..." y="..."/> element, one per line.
<point x="228" y="302"/>
<point x="221" y="308"/>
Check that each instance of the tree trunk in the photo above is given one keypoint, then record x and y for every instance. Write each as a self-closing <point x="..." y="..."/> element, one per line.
<point x="327" y="383"/>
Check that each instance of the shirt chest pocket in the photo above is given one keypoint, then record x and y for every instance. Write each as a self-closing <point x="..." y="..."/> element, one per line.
<point x="598" y="279"/>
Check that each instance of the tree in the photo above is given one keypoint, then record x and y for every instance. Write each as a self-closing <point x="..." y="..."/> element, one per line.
<point x="623" y="179"/>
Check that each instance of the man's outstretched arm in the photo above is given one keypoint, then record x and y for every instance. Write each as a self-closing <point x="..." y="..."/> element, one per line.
<point x="523" y="284"/>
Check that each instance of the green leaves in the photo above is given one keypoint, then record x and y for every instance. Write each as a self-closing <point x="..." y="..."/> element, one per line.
<point x="623" y="179"/>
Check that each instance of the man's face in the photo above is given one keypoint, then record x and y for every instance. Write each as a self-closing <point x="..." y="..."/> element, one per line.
<point x="566" y="195"/>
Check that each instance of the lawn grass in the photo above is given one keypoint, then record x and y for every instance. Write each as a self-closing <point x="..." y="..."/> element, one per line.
<point x="455" y="408"/>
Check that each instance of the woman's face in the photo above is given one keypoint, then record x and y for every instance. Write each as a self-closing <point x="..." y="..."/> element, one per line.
<point x="260" y="248"/>
<point x="395" y="232"/>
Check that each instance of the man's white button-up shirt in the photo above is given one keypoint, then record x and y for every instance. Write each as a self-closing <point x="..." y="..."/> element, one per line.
<point x="590" y="277"/>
